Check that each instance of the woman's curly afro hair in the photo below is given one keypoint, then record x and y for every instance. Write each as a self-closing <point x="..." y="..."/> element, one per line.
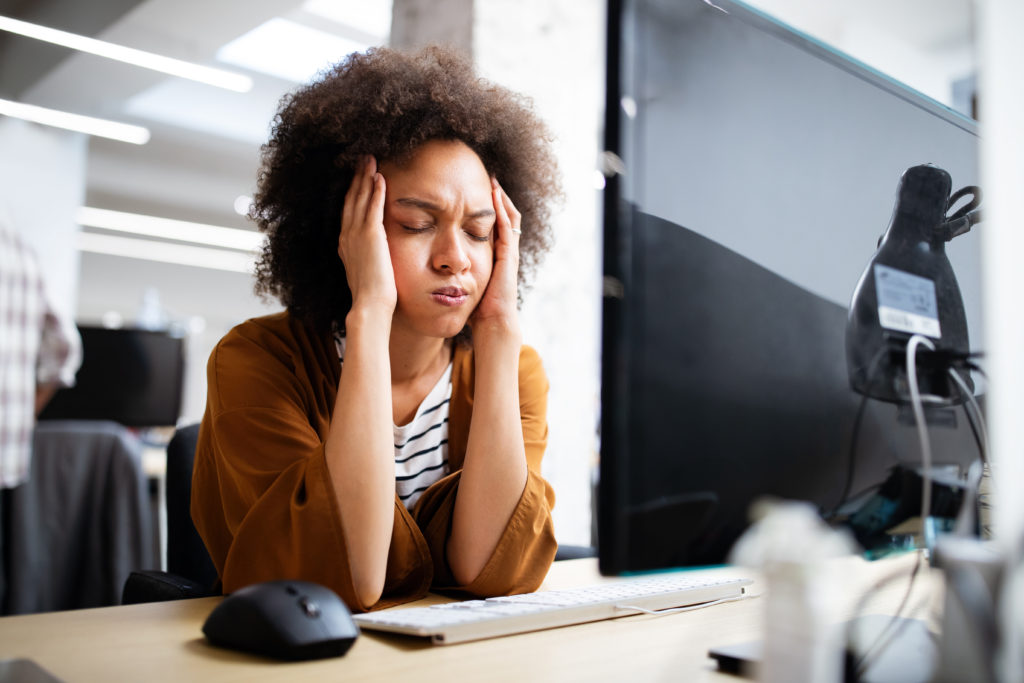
<point x="385" y="103"/>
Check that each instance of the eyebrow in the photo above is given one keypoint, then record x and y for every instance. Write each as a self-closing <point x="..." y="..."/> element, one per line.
<point x="430" y="206"/>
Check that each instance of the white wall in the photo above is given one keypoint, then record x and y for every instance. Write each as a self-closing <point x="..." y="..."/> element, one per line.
<point x="553" y="51"/>
<point x="42" y="184"/>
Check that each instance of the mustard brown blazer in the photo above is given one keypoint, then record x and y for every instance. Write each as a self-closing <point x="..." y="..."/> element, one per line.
<point x="263" y="501"/>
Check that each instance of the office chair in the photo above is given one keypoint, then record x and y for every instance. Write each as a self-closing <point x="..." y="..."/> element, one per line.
<point x="190" y="571"/>
<point x="186" y="554"/>
<point x="574" y="552"/>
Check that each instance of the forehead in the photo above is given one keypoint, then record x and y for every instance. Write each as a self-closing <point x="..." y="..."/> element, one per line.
<point x="438" y="167"/>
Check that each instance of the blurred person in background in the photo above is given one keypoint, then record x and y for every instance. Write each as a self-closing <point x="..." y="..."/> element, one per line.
<point x="39" y="353"/>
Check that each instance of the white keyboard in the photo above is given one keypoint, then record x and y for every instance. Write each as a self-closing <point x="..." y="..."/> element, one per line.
<point x="457" y="622"/>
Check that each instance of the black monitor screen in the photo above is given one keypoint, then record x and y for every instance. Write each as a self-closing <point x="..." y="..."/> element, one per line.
<point x="131" y="376"/>
<point x="755" y="171"/>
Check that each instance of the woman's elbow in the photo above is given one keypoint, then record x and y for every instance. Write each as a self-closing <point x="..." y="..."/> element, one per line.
<point x="465" y="567"/>
<point x="368" y="591"/>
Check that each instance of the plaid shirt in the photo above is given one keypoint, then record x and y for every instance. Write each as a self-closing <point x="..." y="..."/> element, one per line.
<point x="34" y="350"/>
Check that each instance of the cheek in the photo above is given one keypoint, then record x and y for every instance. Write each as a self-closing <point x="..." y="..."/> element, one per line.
<point x="483" y="263"/>
<point x="400" y="263"/>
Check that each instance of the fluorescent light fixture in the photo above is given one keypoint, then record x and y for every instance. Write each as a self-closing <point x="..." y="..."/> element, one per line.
<point x="137" y="135"/>
<point x="166" y="228"/>
<point x="287" y="50"/>
<point x="184" y="104"/>
<point x="164" y="252"/>
<point x="128" y="55"/>
<point x="369" y="16"/>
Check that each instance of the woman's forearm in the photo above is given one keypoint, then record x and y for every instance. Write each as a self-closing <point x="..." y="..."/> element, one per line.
<point x="494" y="473"/>
<point x="360" y="451"/>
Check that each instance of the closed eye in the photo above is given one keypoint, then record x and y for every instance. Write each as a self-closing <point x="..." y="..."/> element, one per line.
<point x="477" y="237"/>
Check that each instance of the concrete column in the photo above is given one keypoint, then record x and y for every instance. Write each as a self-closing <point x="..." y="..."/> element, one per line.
<point x="553" y="52"/>
<point x="415" y="23"/>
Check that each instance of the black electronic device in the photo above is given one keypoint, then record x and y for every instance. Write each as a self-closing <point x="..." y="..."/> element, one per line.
<point x="128" y="375"/>
<point x="899" y="649"/>
<point x="292" y="620"/>
<point x="749" y="172"/>
<point x="909" y="288"/>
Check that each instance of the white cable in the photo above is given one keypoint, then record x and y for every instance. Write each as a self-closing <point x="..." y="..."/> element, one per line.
<point x="969" y="395"/>
<point x="965" y="521"/>
<point x="922" y="430"/>
<point x="688" y="608"/>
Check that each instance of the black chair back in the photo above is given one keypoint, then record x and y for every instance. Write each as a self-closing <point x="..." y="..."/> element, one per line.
<point x="186" y="554"/>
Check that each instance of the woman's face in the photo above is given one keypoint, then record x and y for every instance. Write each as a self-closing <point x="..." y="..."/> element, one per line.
<point x="439" y="219"/>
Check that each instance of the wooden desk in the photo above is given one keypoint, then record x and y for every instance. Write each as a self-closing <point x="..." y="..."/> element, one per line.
<point x="163" y="642"/>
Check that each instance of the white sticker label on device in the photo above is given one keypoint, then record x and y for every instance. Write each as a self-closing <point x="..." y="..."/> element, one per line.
<point x="906" y="302"/>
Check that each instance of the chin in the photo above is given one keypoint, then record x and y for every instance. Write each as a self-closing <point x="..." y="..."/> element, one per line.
<point x="444" y="328"/>
<point x="452" y="330"/>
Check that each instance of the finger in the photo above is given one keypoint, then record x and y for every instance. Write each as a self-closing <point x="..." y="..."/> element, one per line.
<point x="364" y="190"/>
<point x="510" y="208"/>
<point x="501" y="221"/>
<point x="349" y="213"/>
<point x="375" y="212"/>
<point x="515" y="217"/>
<point x="507" y="216"/>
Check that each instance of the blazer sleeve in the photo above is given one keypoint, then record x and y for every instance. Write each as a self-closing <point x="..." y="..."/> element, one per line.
<point x="263" y="499"/>
<point x="527" y="546"/>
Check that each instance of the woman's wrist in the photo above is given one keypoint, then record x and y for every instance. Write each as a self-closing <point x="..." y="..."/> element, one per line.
<point x="498" y="332"/>
<point x="369" y="317"/>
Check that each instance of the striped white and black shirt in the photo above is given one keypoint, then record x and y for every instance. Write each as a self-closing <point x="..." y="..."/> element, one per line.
<point x="421" y="446"/>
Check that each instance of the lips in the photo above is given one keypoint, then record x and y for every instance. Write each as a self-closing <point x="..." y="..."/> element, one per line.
<point x="450" y="291"/>
<point x="449" y="296"/>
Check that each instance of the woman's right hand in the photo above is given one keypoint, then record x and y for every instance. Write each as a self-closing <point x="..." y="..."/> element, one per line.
<point x="363" y="244"/>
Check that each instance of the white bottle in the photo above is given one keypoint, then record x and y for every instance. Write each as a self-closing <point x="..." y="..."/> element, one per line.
<point x="791" y="545"/>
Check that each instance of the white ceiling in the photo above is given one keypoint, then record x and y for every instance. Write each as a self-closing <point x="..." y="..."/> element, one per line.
<point x="204" y="149"/>
<point x="205" y="141"/>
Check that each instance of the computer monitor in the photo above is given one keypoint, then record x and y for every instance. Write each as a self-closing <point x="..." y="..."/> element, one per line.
<point x="130" y="376"/>
<point x="755" y="170"/>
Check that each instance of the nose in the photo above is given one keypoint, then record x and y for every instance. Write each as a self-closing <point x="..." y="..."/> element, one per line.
<point x="449" y="252"/>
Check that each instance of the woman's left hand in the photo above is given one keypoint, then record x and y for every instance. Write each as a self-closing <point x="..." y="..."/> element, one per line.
<point x="498" y="308"/>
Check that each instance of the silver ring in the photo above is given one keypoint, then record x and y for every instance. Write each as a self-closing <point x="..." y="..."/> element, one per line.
<point x="517" y="231"/>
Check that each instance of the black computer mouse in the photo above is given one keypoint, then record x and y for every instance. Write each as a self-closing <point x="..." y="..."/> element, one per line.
<point x="283" y="619"/>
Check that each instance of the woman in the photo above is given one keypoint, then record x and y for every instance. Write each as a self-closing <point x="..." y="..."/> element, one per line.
<point x="384" y="435"/>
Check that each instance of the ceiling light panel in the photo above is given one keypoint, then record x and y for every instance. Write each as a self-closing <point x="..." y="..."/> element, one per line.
<point x="128" y="55"/>
<point x="104" y="128"/>
<point x="288" y="50"/>
<point x="164" y="252"/>
<point x="166" y="228"/>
